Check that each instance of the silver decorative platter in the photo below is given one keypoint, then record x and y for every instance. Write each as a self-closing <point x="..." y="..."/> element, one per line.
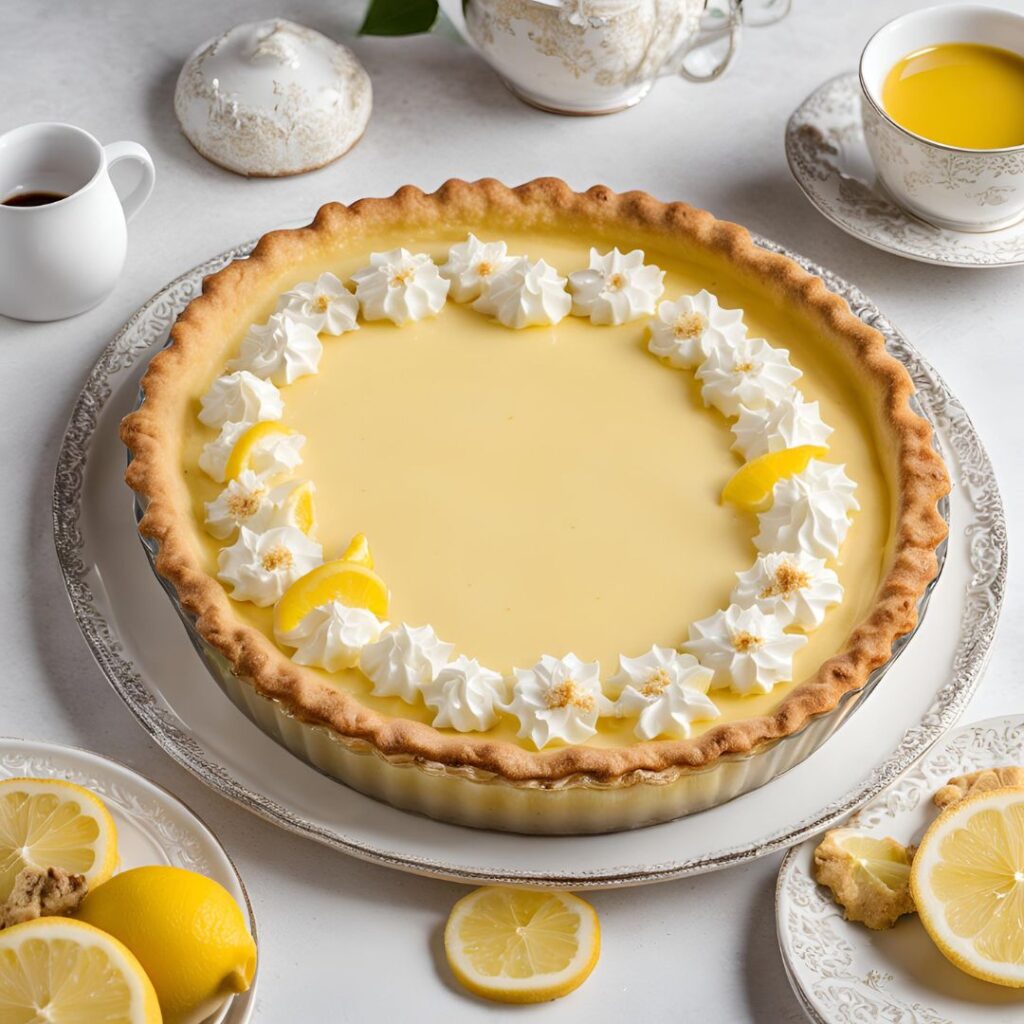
<point x="138" y="642"/>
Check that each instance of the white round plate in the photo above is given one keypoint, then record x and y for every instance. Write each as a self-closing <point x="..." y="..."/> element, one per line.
<point x="141" y="646"/>
<point x="153" y="827"/>
<point x="842" y="971"/>
<point x="830" y="161"/>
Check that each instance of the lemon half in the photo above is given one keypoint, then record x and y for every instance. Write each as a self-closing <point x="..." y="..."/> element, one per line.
<point x="51" y="823"/>
<point x="968" y="884"/>
<point x="518" y="946"/>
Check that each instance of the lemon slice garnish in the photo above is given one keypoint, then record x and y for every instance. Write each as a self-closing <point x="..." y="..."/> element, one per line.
<point x="185" y="929"/>
<point x="358" y="551"/>
<point x="298" y="509"/>
<point x="517" y="946"/>
<point x="348" y="582"/>
<point x="751" y="485"/>
<point x="242" y="452"/>
<point x="57" y="969"/>
<point x="968" y="885"/>
<point x="51" y="823"/>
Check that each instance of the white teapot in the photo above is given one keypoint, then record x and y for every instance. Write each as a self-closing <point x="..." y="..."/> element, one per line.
<point x="599" y="56"/>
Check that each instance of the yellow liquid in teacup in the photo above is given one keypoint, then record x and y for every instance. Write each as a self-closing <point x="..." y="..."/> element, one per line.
<point x="962" y="94"/>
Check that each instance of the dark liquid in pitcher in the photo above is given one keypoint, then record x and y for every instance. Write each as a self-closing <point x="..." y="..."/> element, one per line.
<point x="33" y="198"/>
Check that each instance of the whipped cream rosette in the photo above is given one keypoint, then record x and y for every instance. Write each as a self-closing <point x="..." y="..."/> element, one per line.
<point x="282" y="350"/>
<point x="472" y="265"/>
<point x="749" y="373"/>
<point x="616" y="287"/>
<point x="400" y="286"/>
<point x="260" y="567"/>
<point x="332" y="636"/>
<point x="240" y="397"/>
<point x="272" y="455"/>
<point x="525" y="294"/>
<point x="404" y="660"/>
<point x="325" y="304"/>
<point x="789" y="423"/>
<point x="465" y="696"/>
<point x="795" y="588"/>
<point x="685" y="332"/>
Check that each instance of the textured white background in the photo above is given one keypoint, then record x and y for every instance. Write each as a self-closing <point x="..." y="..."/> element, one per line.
<point x="342" y="940"/>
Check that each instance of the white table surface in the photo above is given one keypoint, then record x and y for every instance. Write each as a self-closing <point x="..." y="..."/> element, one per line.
<point x="343" y="940"/>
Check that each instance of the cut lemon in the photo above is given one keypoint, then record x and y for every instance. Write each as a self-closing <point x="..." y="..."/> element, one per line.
<point x="751" y="485"/>
<point x="67" y="972"/>
<point x="297" y="509"/>
<point x="869" y="876"/>
<point x="358" y="551"/>
<point x="347" y="582"/>
<point x="50" y="823"/>
<point x="517" y="946"/>
<point x="968" y="884"/>
<point x="186" y="930"/>
<point x="241" y="454"/>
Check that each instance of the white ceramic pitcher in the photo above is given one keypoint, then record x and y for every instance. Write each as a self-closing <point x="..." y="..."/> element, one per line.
<point x="596" y="56"/>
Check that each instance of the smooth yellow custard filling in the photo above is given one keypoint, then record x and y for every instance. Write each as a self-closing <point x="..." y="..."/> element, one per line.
<point x="551" y="489"/>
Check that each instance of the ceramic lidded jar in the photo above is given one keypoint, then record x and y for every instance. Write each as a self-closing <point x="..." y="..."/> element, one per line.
<point x="272" y="98"/>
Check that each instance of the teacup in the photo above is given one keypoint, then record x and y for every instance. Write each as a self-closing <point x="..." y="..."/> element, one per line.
<point x="64" y="256"/>
<point x="598" y="56"/>
<point x="962" y="189"/>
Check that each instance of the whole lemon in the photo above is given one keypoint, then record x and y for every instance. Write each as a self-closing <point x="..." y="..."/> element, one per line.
<point x="186" y="930"/>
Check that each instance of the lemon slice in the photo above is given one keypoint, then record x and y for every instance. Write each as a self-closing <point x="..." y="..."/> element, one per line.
<point x="348" y="582"/>
<point x="884" y="859"/>
<point x="968" y="884"/>
<point x="750" y="487"/>
<point x="358" y="551"/>
<point x="186" y="930"/>
<point x="242" y="453"/>
<point x="50" y="823"/>
<point x="517" y="946"/>
<point x="298" y="509"/>
<point x="63" y="971"/>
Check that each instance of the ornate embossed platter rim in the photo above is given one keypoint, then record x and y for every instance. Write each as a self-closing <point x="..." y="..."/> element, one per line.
<point x="151" y="811"/>
<point x="832" y="977"/>
<point x="833" y="111"/>
<point x="978" y="611"/>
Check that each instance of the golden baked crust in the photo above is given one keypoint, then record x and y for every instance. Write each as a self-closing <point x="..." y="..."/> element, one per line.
<point x="153" y="473"/>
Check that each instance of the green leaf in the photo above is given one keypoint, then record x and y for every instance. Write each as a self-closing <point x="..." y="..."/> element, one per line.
<point x="399" y="17"/>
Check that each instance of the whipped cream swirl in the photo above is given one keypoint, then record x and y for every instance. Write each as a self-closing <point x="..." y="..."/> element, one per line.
<point x="272" y="456"/>
<point x="810" y="512"/>
<point x="245" y="501"/>
<point x="465" y="695"/>
<point x="750" y="373"/>
<point x="525" y="294"/>
<point x="240" y="397"/>
<point x="325" y="304"/>
<point x="471" y="265"/>
<point x="400" y="286"/>
<point x="790" y="423"/>
<point x="332" y="636"/>
<point x="282" y="350"/>
<point x="666" y="691"/>
<point x="685" y="332"/>
<point x="745" y="648"/>
<point x="795" y="588"/>
<point x="260" y="567"/>
<point x="616" y="287"/>
<point x="404" y="660"/>
<point x="559" y="699"/>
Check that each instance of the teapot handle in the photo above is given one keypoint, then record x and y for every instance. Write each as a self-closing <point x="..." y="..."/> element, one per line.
<point x="708" y="33"/>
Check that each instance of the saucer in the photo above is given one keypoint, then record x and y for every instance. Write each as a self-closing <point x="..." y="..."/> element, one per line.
<point x="828" y="157"/>
<point x="842" y="971"/>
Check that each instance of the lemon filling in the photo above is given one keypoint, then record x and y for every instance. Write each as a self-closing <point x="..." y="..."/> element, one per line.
<point x="555" y="489"/>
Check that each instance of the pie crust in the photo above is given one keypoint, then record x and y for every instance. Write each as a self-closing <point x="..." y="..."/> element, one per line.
<point x="151" y="434"/>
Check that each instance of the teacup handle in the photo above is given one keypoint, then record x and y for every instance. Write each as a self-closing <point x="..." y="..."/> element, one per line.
<point x="136" y="199"/>
<point x="708" y="34"/>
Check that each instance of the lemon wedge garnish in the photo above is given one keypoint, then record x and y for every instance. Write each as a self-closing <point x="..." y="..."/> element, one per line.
<point x="61" y="970"/>
<point x="358" y="551"/>
<point x="750" y="487"/>
<point x="185" y="929"/>
<point x="51" y="823"/>
<point x="298" y="509"/>
<point x="968" y="884"/>
<point x="517" y="946"/>
<point x="348" y="582"/>
<point x="242" y="453"/>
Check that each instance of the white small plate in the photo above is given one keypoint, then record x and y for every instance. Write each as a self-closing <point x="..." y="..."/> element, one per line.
<point x="153" y="827"/>
<point x="828" y="157"/>
<point x="842" y="971"/>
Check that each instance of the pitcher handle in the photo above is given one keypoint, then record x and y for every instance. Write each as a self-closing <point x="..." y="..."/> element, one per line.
<point x="136" y="199"/>
<point x="706" y="35"/>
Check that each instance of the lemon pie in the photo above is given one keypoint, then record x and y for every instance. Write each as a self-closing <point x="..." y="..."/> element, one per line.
<point x="533" y="509"/>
